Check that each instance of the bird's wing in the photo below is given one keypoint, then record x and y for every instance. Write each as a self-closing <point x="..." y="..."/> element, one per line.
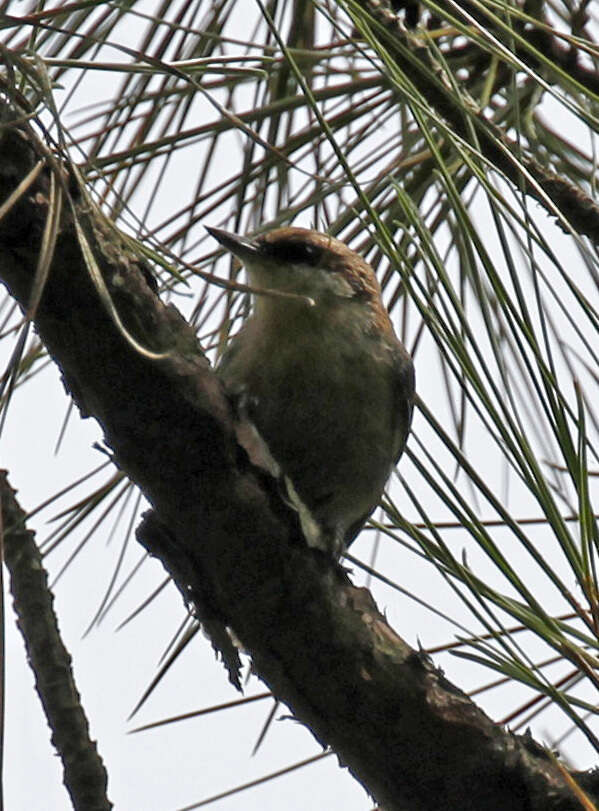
<point x="405" y="392"/>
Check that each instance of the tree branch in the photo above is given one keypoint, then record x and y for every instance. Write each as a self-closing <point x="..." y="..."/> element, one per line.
<point x="84" y="773"/>
<point x="544" y="185"/>
<point x="412" y="739"/>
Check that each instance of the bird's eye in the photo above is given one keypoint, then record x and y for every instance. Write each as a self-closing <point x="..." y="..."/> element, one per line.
<point x="293" y="252"/>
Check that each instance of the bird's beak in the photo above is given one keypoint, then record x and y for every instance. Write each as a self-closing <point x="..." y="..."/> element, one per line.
<point x="241" y="247"/>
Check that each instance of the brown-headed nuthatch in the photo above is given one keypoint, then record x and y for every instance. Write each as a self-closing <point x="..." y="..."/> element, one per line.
<point x="322" y="377"/>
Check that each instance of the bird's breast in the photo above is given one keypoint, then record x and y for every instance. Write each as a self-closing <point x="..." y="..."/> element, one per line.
<point x="323" y="402"/>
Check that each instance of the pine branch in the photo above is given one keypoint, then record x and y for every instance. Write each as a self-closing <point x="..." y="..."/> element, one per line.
<point x="543" y="185"/>
<point x="320" y="644"/>
<point x="84" y="774"/>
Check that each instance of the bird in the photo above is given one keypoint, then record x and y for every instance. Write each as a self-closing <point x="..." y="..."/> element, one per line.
<point x="319" y="374"/>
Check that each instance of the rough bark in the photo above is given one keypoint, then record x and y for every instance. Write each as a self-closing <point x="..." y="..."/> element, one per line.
<point x="84" y="774"/>
<point x="410" y="737"/>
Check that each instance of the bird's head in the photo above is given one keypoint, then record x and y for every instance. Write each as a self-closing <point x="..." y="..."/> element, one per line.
<point x="305" y="263"/>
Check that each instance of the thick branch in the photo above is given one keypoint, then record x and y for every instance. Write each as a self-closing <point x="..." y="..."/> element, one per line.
<point x="414" y="740"/>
